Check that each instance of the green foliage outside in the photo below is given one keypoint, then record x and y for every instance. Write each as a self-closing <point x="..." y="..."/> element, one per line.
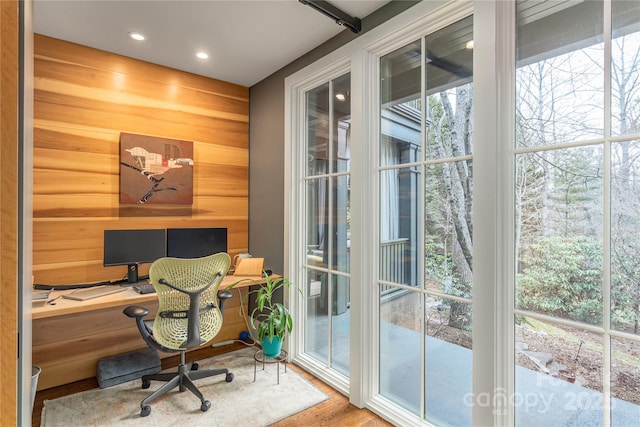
<point x="563" y="277"/>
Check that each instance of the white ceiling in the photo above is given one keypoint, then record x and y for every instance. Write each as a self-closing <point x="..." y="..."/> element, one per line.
<point x="246" y="40"/>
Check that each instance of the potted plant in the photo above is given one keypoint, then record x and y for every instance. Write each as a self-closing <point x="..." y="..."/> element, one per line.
<point x="271" y="319"/>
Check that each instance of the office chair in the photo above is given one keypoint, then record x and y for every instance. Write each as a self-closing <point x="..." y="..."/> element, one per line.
<point x="189" y="315"/>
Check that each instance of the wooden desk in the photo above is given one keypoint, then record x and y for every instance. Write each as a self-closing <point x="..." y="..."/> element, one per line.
<point x="71" y="336"/>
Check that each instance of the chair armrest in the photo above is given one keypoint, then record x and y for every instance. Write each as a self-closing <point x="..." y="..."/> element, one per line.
<point x="222" y="297"/>
<point x="135" y="311"/>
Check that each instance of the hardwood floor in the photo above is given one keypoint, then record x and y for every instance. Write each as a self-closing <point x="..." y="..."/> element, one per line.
<point x="335" y="411"/>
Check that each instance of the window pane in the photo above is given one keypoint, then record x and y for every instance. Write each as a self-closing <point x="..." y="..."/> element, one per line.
<point x="625" y="229"/>
<point x="341" y="123"/>
<point x="449" y="72"/>
<point x="560" y="72"/>
<point x="317" y="321"/>
<point x="400" y="329"/>
<point x="449" y="122"/>
<point x="341" y="224"/>
<point x="625" y="382"/>
<point x="559" y="233"/>
<point x="398" y="226"/>
<point x="400" y="106"/>
<point x="318" y="130"/>
<point x="558" y="375"/>
<point x="317" y="222"/>
<point x="448" y="362"/>
<point x="340" y="325"/>
<point x="448" y="239"/>
<point x="625" y="68"/>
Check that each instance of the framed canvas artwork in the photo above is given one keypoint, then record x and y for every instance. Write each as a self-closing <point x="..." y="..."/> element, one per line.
<point x="155" y="170"/>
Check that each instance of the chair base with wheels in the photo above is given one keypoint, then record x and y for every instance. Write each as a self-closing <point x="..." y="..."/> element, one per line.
<point x="187" y="372"/>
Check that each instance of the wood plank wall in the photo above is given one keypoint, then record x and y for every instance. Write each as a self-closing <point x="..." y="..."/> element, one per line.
<point x="9" y="170"/>
<point x="84" y="99"/>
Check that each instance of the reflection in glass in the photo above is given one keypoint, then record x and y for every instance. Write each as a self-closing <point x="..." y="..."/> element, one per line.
<point x="400" y="331"/>
<point x="559" y="233"/>
<point x="318" y="130"/>
<point x="449" y="75"/>
<point x="317" y="321"/>
<point x="340" y="324"/>
<point x="317" y="222"/>
<point x="341" y="224"/>
<point x="398" y="226"/>
<point x="400" y="110"/>
<point x="448" y="362"/>
<point x="341" y="128"/>
<point x="625" y="229"/>
<point x="558" y="375"/>
<point x="625" y="68"/>
<point x="625" y="382"/>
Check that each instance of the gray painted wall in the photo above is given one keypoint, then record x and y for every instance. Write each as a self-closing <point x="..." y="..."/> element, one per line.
<point x="266" y="143"/>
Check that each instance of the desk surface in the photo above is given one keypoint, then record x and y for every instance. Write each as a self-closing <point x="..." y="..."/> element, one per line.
<point x="63" y="306"/>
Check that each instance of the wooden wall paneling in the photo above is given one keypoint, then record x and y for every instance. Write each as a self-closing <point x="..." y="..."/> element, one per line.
<point x="97" y="83"/>
<point x="140" y="120"/>
<point x="233" y="322"/>
<point x="72" y="360"/>
<point x="9" y="170"/>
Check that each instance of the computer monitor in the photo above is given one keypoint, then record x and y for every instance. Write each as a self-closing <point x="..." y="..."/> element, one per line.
<point x="195" y="242"/>
<point x="132" y="248"/>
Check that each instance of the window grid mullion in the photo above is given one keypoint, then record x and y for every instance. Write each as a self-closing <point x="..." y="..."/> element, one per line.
<point x="606" y="279"/>
<point x="421" y="229"/>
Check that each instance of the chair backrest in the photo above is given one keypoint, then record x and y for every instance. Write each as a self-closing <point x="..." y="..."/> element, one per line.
<point x="188" y="290"/>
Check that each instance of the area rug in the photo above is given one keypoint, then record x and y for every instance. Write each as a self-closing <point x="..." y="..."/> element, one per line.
<point x="241" y="402"/>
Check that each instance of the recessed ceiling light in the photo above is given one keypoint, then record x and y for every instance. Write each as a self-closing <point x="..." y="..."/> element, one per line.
<point x="340" y="96"/>
<point x="202" y="55"/>
<point x="469" y="44"/>
<point x="137" y="36"/>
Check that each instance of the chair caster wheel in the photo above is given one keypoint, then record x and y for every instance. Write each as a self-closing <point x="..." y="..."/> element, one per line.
<point x="145" y="385"/>
<point x="194" y="366"/>
<point x="229" y="377"/>
<point x="205" y="406"/>
<point x="146" y="410"/>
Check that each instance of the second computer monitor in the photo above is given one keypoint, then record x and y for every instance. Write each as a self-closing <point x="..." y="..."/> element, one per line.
<point x="195" y="242"/>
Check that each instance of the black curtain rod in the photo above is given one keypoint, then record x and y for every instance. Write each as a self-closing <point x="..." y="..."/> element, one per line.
<point x="341" y="18"/>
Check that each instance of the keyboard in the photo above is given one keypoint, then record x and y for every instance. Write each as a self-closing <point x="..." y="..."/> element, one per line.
<point x="90" y="293"/>
<point x="144" y="288"/>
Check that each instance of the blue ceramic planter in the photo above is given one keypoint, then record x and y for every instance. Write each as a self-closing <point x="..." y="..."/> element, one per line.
<point x="271" y="349"/>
